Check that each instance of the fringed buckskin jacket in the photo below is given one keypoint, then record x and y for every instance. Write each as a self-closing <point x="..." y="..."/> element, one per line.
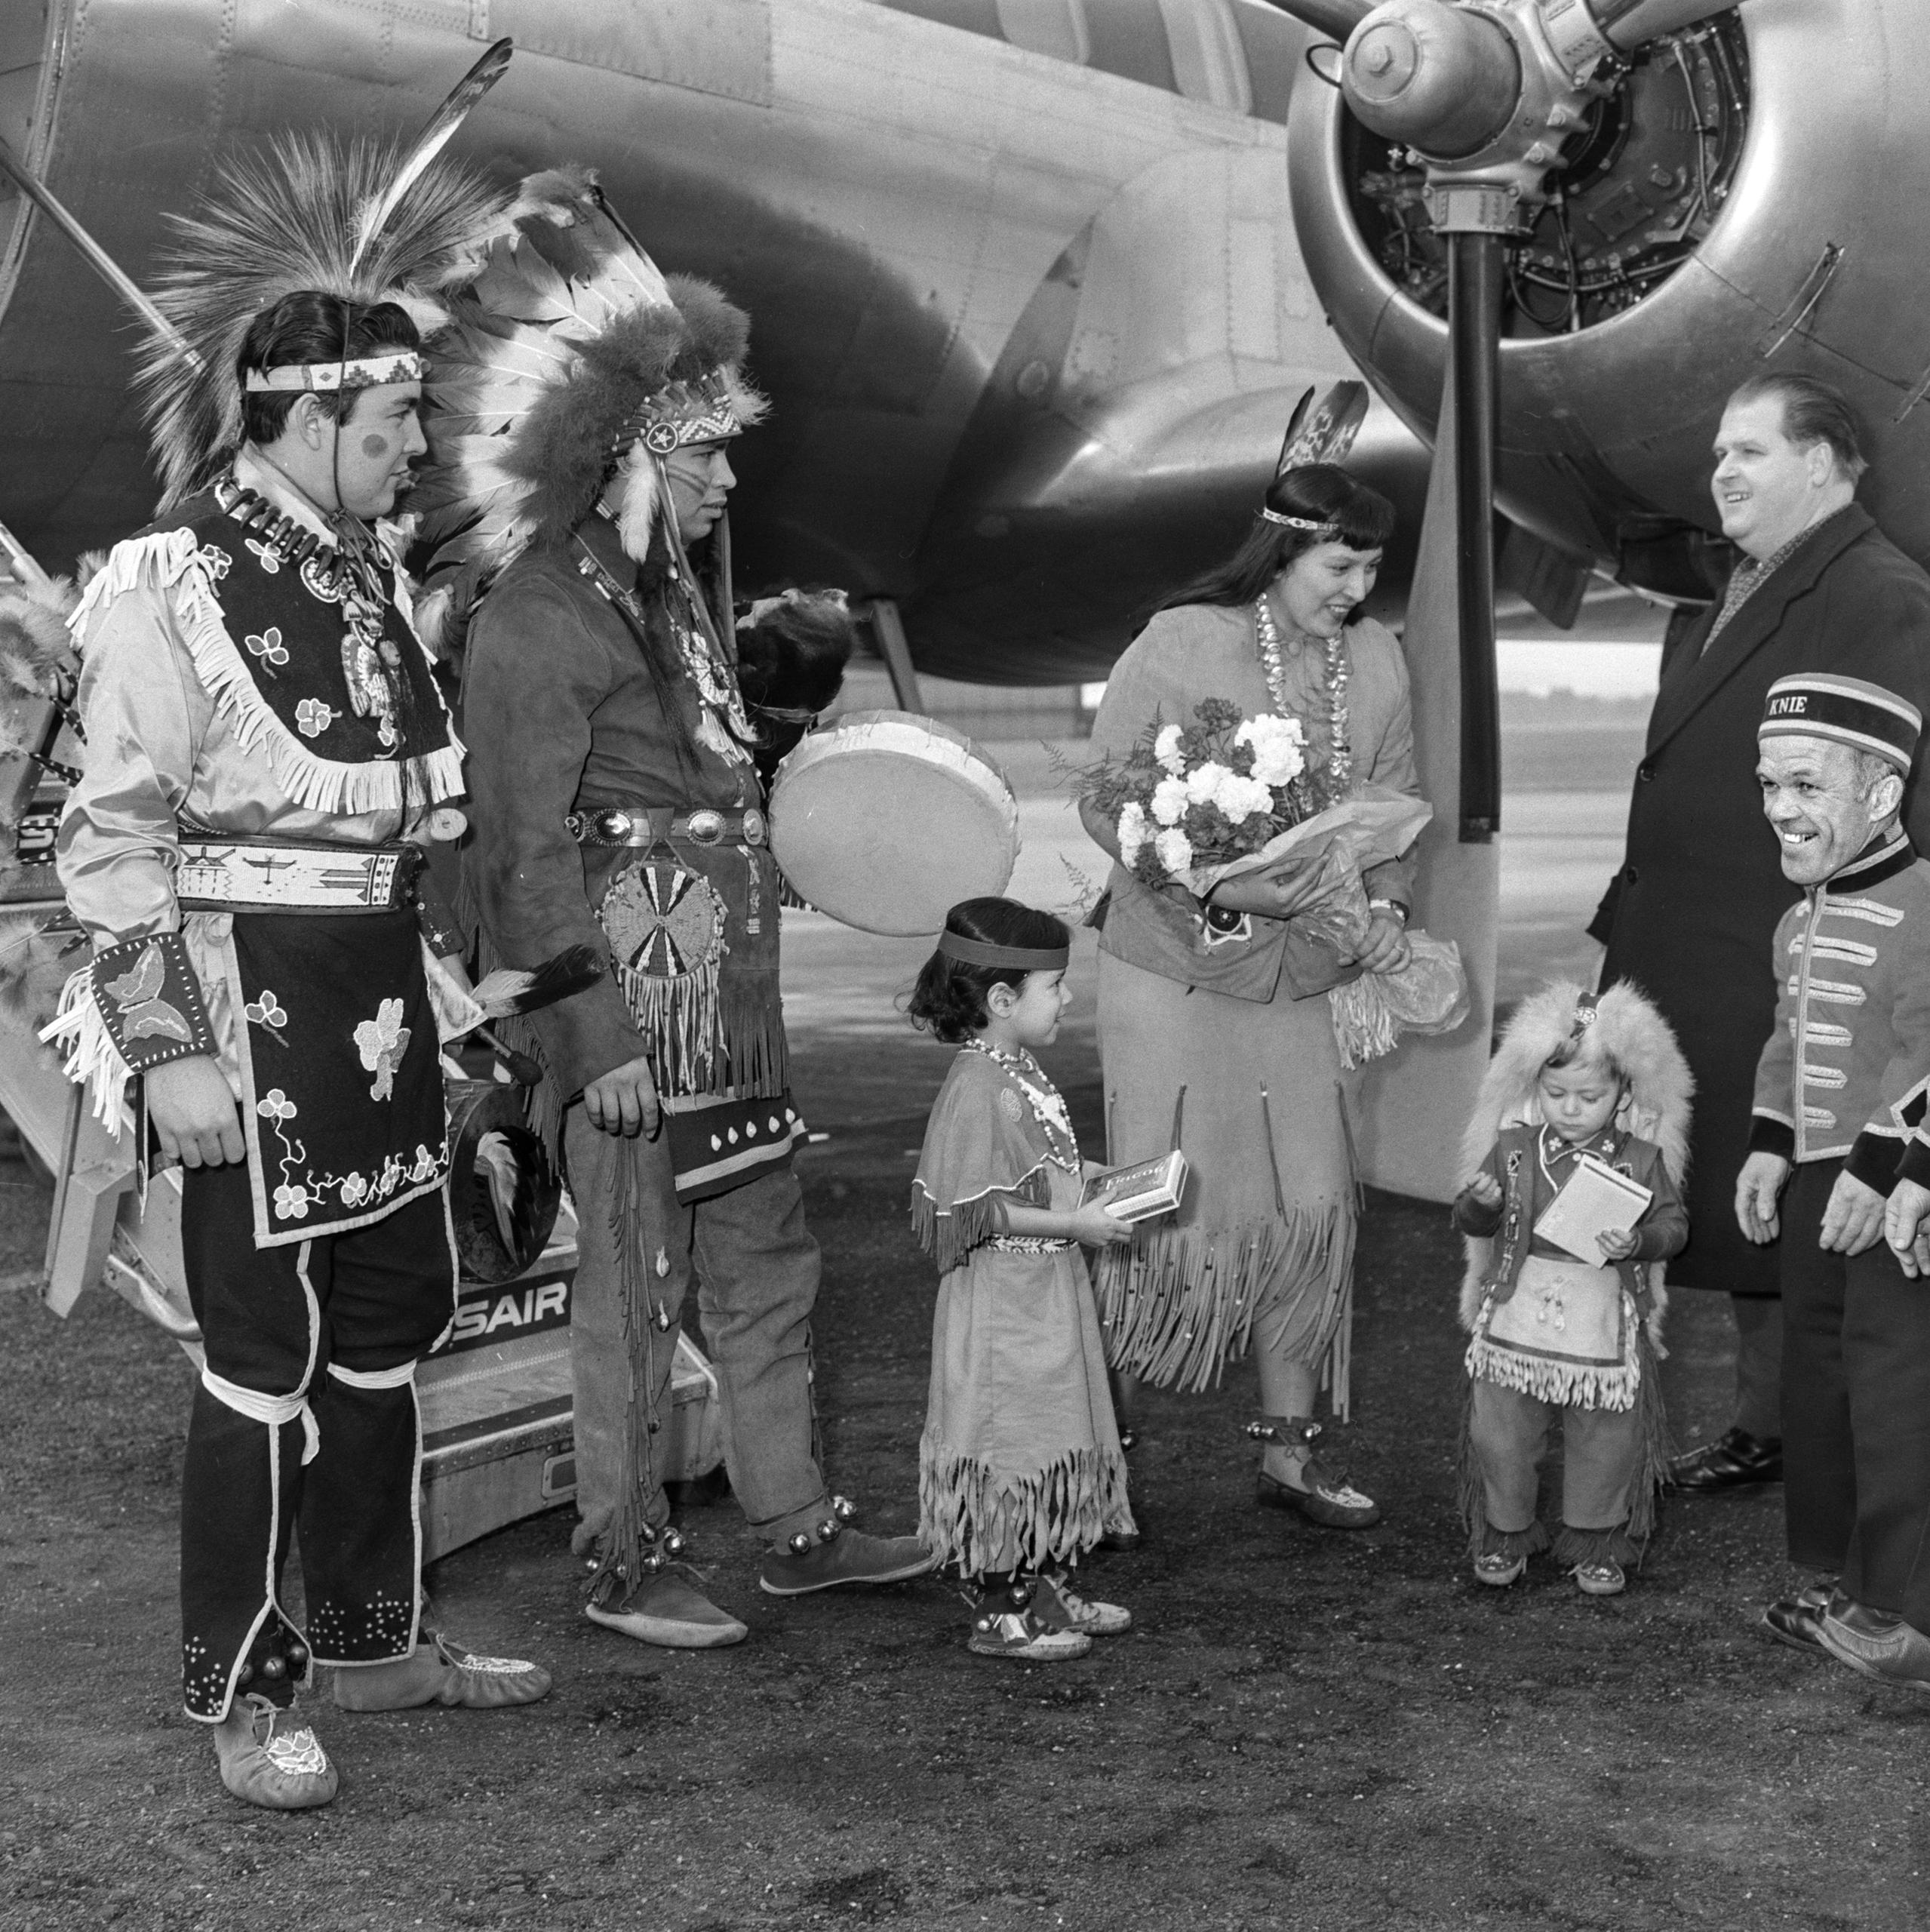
<point x="1529" y="1183"/>
<point x="564" y="712"/>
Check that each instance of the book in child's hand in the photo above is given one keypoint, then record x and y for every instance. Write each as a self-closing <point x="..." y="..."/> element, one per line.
<point x="1141" y="1193"/>
<point x="1596" y="1201"/>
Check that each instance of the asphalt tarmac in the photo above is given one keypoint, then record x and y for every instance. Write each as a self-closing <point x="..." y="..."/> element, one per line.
<point x="1307" y="1731"/>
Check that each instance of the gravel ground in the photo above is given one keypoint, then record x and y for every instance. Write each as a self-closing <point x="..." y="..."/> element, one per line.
<point x="1307" y="1730"/>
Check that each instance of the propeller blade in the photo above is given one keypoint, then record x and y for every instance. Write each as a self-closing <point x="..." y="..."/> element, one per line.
<point x="435" y="137"/>
<point x="1411" y="1105"/>
<point x="1475" y="265"/>
<point x="1336" y="19"/>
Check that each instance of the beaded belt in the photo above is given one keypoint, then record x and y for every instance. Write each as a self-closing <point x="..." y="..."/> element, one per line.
<point x="284" y="876"/>
<point x="648" y="825"/>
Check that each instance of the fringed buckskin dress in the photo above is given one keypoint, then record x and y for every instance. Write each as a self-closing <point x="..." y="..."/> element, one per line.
<point x="1222" y="1044"/>
<point x="1020" y="1466"/>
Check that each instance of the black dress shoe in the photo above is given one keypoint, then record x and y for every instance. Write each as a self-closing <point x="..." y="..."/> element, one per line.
<point x="1795" y="1620"/>
<point x="1735" y="1461"/>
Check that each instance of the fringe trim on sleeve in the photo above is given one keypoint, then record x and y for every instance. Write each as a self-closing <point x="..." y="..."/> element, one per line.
<point x="92" y="1061"/>
<point x="170" y="560"/>
<point x="1178" y="1304"/>
<point x="983" y="1519"/>
<point x="949" y="1234"/>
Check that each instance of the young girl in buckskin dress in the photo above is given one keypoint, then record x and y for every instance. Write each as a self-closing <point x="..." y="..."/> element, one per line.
<point x="1020" y="1468"/>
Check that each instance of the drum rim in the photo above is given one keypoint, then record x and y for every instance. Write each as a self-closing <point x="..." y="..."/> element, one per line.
<point x="816" y="744"/>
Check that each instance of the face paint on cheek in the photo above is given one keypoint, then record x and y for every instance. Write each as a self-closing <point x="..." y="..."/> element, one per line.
<point x="375" y="447"/>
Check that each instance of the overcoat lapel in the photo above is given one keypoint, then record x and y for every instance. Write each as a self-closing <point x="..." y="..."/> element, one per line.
<point x="1698" y="674"/>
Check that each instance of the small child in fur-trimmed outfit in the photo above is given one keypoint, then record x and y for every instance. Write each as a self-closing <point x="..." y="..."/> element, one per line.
<point x="1575" y="1075"/>
<point x="1020" y="1470"/>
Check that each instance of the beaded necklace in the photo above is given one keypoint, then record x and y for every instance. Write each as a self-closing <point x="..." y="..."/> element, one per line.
<point x="1048" y="1103"/>
<point x="1267" y="637"/>
<point x="715" y="686"/>
<point x="349" y="574"/>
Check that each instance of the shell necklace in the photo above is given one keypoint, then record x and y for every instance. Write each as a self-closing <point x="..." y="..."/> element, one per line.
<point x="1267" y="637"/>
<point x="1048" y="1103"/>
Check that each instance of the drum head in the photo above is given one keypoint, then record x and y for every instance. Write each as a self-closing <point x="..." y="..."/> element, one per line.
<point x="888" y="820"/>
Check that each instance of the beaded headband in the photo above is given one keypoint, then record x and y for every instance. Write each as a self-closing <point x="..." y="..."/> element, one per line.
<point x="1300" y="522"/>
<point x="370" y="372"/>
<point x="1025" y="958"/>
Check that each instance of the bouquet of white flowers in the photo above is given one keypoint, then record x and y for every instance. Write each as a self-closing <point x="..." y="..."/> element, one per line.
<point x="1232" y="795"/>
<point x="1186" y="800"/>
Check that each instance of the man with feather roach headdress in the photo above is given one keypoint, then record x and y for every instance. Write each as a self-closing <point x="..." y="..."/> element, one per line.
<point x="265" y="746"/>
<point x="581" y="412"/>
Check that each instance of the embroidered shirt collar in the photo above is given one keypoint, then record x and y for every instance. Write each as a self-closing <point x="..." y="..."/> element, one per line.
<point x="1604" y="1146"/>
<point x="1887" y="854"/>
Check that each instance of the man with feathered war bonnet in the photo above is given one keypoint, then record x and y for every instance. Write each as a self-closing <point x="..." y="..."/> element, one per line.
<point x="584" y="411"/>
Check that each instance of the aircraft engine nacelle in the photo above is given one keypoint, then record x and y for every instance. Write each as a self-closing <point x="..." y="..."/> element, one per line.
<point x="1746" y="194"/>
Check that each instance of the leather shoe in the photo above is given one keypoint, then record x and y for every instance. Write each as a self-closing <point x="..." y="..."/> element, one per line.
<point x="666" y="1610"/>
<point x="1794" y="1620"/>
<point x="1736" y="1460"/>
<point x="1875" y="1643"/>
<point x="842" y="1556"/>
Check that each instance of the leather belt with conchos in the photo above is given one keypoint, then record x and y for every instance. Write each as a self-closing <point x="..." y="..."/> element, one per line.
<point x="646" y="826"/>
<point x="285" y="875"/>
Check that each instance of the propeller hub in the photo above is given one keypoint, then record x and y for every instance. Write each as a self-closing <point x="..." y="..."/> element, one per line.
<point x="1443" y="79"/>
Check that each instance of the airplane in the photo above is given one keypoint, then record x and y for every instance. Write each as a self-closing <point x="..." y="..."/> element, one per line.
<point x="1028" y="302"/>
<point x="1036" y="284"/>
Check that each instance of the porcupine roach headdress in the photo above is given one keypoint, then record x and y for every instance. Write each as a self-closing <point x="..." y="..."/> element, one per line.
<point x="571" y="354"/>
<point x="1623" y="1026"/>
<point x="310" y="213"/>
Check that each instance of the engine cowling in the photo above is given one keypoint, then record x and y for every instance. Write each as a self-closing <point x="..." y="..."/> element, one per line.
<point x="1746" y="196"/>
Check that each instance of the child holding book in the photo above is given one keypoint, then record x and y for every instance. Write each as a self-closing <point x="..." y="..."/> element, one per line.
<point x="1590" y="1094"/>
<point x="1020" y="1468"/>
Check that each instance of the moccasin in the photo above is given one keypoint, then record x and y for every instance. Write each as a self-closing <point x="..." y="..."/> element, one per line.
<point x="441" y="1672"/>
<point x="267" y="1760"/>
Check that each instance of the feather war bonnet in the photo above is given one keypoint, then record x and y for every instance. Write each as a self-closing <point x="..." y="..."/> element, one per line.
<point x="1624" y="1027"/>
<point x="571" y="354"/>
<point x="358" y="220"/>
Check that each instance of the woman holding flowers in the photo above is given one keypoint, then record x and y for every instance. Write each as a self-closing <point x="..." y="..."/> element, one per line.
<point x="1256" y="697"/>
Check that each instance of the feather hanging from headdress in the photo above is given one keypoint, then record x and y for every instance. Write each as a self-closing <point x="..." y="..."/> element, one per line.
<point x="277" y="223"/>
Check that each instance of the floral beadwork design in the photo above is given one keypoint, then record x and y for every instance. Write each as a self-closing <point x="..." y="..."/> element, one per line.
<point x="268" y="1013"/>
<point x="265" y="556"/>
<point x="313" y="717"/>
<point x="381" y="1042"/>
<point x="298" y="1191"/>
<point x="267" y="645"/>
<point x="214" y="560"/>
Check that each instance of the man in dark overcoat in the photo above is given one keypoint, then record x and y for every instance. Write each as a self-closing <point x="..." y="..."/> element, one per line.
<point x="1690" y="914"/>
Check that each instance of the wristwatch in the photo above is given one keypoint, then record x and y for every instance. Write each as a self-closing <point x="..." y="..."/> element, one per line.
<point x="1392" y="906"/>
